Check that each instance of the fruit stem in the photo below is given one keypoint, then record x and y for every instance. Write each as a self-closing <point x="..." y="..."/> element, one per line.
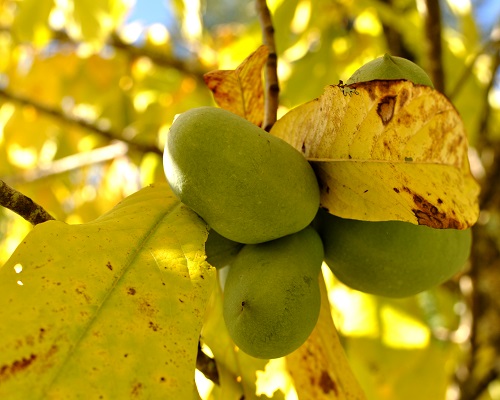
<point x="271" y="71"/>
<point x="22" y="205"/>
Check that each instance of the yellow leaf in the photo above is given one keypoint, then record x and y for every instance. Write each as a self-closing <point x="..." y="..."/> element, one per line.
<point x="387" y="150"/>
<point x="31" y="22"/>
<point x="241" y="90"/>
<point x="108" y="309"/>
<point x="319" y="368"/>
<point x="93" y="21"/>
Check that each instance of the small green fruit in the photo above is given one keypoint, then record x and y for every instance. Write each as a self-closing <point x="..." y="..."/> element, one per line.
<point x="247" y="184"/>
<point x="390" y="68"/>
<point x="219" y="250"/>
<point x="391" y="258"/>
<point x="271" y="295"/>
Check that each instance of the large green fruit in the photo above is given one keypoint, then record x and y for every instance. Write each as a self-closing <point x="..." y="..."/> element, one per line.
<point x="247" y="184"/>
<point x="271" y="295"/>
<point x="390" y="68"/>
<point x="391" y="258"/>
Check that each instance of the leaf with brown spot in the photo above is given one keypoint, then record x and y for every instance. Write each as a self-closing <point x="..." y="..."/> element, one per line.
<point x="241" y="91"/>
<point x="390" y="151"/>
<point x="319" y="368"/>
<point x="66" y="329"/>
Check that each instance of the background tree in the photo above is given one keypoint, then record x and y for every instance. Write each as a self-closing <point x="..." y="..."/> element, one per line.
<point x="87" y="97"/>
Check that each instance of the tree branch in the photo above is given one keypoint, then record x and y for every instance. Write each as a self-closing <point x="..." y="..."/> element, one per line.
<point x="432" y="19"/>
<point x="71" y="162"/>
<point x="22" y="205"/>
<point x="491" y="376"/>
<point x="145" y="148"/>
<point x="393" y="37"/>
<point x="271" y="71"/>
<point x="159" y="58"/>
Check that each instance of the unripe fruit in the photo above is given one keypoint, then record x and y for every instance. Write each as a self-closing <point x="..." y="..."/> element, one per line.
<point x="390" y="68"/>
<point x="271" y="295"/>
<point x="219" y="250"/>
<point x="247" y="184"/>
<point x="391" y="258"/>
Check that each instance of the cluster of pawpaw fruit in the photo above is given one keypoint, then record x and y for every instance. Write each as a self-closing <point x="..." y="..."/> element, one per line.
<point x="261" y="199"/>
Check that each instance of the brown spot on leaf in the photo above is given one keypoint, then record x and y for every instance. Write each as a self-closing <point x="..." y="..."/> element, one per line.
<point x="327" y="384"/>
<point x="403" y="97"/>
<point x="18" y="366"/>
<point x="396" y="190"/>
<point x="428" y="214"/>
<point x="146" y="308"/>
<point x="136" y="389"/>
<point x="131" y="291"/>
<point x="110" y="267"/>
<point x="385" y="109"/>
<point x="81" y="291"/>
<point x="153" y="326"/>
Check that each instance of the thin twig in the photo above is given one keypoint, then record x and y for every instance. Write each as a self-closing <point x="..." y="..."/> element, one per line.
<point x="491" y="376"/>
<point x="22" y="205"/>
<point x="70" y="163"/>
<point x="145" y="148"/>
<point x="432" y="20"/>
<point x="193" y="68"/>
<point x="158" y="57"/>
<point x="393" y="36"/>
<point x="271" y="71"/>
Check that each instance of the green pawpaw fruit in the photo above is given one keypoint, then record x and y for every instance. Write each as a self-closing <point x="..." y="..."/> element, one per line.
<point x="390" y="68"/>
<point x="220" y="251"/>
<point x="271" y="294"/>
<point x="391" y="258"/>
<point x="247" y="184"/>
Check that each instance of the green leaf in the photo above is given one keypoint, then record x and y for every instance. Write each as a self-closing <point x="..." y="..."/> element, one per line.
<point x="108" y="309"/>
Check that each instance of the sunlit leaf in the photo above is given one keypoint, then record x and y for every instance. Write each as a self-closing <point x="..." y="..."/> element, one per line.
<point x="93" y="21"/>
<point x="31" y="22"/>
<point x="319" y="367"/>
<point x="108" y="309"/>
<point x="241" y="90"/>
<point x="387" y="150"/>
<point x="391" y="373"/>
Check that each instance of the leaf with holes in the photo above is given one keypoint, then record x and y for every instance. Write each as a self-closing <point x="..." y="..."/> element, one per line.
<point x="241" y="90"/>
<point x="387" y="150"/>
<point x="108" y="309"/>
